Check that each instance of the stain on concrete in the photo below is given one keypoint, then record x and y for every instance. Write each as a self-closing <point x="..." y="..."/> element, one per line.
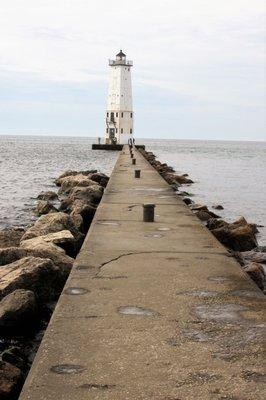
<point x="254" y="376"/>
<point x="247" y="293"/>
<point x="172" y="342"/>
<point x="97" y="386"/>
<point x="155" y="235"/>
<point x="197" y="335"/>
<point x="199" y="293"/>
<point x="84" y="267"/>
<point x="135" y="310"/>
<point x="76" y="291"/>
<point x="67" y="369"/>
<point x="110" y="277"/>
<point x="105" y="222"/>
<point x="220" y="312"/>
<point x="219" y="279"/>
<point x="198" y="378"/>
<point x="226" y="356"/>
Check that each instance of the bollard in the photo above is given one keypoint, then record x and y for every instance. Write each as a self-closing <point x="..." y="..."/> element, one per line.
<point x="148" y="212"/>
<point x="137" y="173"/>
<point x="133" y="161"/>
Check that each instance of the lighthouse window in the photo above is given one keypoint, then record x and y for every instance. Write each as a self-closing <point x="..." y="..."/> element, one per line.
<point x="131" y="115"/>
<point x="130" y="130"/>
<point x="121" y="130"/>
<point x="122" y="114"/>
<point x="116" y="114"/>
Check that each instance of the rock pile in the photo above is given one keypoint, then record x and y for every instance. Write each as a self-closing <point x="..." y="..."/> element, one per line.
<point x="238" y="237"/>
<point x="34" y="266"/>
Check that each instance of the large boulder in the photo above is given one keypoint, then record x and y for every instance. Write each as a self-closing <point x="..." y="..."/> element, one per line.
<point x="67" y="183"/>
<point x="58" y="181"/>
<point x="10" y="381"/>
<point x="11" y="254"/>
<point x="16" y="310"/>
<point x="55" y="222"/>
<point x="37" y="248"/>
<point x="86" y="211"/>
<point x="172" y="178"/>
<point x="100" y="178"/>
<point x="241" y="238"/>
<point x="39" y="275"/>
<point x="256" y="273"/>
<point x="10" y="237"/>
<point x="251" y="256"/>
<point x="214" y="223"/>
<point x="217" y="207"/>
<point x="48" y="196"/>
<point x="90" y="195"/>
<point x="53" y="246"/>
<point x="44" y="207"/>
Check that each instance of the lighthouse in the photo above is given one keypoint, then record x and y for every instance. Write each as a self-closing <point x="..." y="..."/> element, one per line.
<point x="119" y="114"/>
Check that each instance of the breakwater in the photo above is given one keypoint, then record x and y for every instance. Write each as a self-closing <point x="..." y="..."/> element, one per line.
<point x="155" y="310"/>
<point x="34" y="265"/>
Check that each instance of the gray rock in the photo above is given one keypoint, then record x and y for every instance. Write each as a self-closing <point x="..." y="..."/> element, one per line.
<point x="172" y="178"/>
<point x="37" y="249"/>
<point x="256" y="273"/>
<point x="49" y="196"/>
<point x="90" y="195"/>
<point x="55" y="222"/>
<point x="44" y="207"/>
<point x="16" y="310"/>
<point x="100" y="178"/>
<point x="67" y="183"/>
<point x="10" y="381"/>
<point x="32" y="273"/>
<point x="11" y="254"/>
<point x="65" y="174"/>
<point x="53" y="246"/>
<point x="217" y="207"/>
<point x="10" y="237"/>
<point x="82" y="213"/>
<point x="237" y="238"/>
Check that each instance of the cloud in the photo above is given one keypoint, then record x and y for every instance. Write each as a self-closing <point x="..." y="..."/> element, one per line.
<point x="199" y="51"/>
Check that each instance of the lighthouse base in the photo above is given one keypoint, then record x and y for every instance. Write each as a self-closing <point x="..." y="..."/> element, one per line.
<point x="113" y="147"/>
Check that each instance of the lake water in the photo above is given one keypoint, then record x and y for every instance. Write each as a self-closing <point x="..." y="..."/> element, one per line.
<point x="229" y="173"/>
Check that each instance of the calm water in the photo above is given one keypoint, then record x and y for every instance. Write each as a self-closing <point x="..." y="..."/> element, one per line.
<point x="229" y="173"/>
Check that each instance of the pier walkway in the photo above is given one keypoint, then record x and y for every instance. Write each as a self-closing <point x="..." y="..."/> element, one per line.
<point x="151" y="310"/>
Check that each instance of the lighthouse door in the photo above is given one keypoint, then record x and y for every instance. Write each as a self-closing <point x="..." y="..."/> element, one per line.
<point x="112" y="133"/>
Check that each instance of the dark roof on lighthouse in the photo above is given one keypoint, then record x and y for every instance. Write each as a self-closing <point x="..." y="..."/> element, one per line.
<point x="121" y="54"/>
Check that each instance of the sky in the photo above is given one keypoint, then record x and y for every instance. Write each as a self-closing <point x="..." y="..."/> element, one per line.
<point x="198" y="66"/>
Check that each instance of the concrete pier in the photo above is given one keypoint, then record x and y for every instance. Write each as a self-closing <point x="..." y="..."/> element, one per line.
<point x="151" y="310"/>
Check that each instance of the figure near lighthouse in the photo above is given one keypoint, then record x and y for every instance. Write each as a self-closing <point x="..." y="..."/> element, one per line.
<point x="119" y="114"/>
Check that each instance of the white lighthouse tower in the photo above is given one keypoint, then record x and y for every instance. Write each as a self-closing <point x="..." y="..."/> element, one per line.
<point x="119" y="114"/>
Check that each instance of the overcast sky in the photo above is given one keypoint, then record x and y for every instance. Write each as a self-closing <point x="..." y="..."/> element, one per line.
<point x="198" y="66"/>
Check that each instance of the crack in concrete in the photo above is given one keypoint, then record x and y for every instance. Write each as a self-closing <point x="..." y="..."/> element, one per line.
<point x="155" y="252"/>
